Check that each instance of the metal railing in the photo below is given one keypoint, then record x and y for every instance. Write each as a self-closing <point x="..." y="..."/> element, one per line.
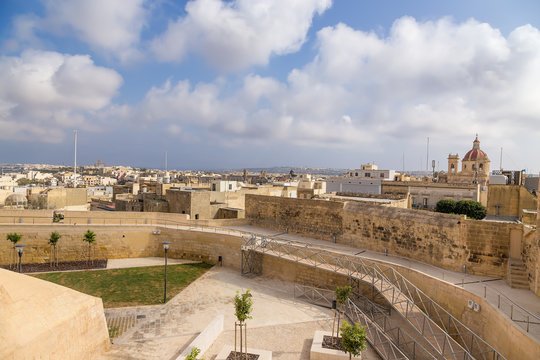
<point x="450" y="338"/>
<point x="377" y="314"/>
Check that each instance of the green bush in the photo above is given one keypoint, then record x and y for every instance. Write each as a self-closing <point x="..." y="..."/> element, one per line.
<point x="446" y="206"/>
<point x="471" y="208"/>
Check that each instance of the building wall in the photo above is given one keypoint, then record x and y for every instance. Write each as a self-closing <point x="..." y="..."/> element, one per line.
<point x="513" y="199"/>
<point x="352" y="185"/>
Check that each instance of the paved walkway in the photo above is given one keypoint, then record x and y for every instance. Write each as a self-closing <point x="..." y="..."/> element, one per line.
<point x="490" y="288"/>
<point x="280" y="323"/>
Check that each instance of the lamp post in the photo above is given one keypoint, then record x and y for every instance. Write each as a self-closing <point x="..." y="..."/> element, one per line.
<point x="20" y="249"/>
<point x="166" y="247"/>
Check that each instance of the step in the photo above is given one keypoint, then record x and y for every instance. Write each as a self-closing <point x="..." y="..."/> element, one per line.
<point x="520" y="286"/>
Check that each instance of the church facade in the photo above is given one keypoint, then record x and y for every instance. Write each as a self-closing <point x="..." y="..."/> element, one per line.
<point x="474" y="167"/>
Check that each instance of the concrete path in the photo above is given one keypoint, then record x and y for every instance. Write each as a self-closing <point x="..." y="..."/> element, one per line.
<point x="280" y="323"/>
<point x="496" y="291"/>
<point x="142" y="262"/>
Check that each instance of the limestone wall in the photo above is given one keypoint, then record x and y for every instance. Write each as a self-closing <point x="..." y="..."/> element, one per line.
<point x="320" y="219"/>
<point x="42" y="320"/>
<point x="111" y="242"/>
<point x="445" y="240"/>
<point x="511" y="200"/>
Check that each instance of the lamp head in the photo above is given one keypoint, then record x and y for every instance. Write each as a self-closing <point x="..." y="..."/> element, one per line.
<point x="166" y="245"/>
<point x="20" y="248"/>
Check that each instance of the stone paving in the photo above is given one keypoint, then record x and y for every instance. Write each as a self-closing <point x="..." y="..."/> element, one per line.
<point x="280" y="323"/>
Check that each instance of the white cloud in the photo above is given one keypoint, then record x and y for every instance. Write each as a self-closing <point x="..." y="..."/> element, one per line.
<point x="435" y="78"/>
<point x="234" y="35"/>
<point x="110" y="27"/>
<point x="43" y="93"/>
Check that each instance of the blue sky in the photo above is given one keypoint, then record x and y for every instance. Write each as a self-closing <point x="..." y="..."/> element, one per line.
<point x="255" y="83"/>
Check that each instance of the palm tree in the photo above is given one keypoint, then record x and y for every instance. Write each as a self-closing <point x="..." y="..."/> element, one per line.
<point x="53" y="240"/>
<point x="14" y="238"/>
<point x="90" y="238"/>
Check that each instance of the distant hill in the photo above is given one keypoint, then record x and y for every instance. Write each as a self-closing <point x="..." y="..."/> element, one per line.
<point x="286" y="170"/>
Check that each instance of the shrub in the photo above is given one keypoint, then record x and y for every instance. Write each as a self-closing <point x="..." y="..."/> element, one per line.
<point x="471" y="208"/>
<point x="446" y="206"/>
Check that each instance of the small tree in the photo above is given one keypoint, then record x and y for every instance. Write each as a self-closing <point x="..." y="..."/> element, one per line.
<point x="53" y="241"/>
<point x="342" y="295"/>
<point x="14" y="238"/>
<point x="90" y="238"/>
<point x="353" y="338"/>
<point x="242" y="308"/>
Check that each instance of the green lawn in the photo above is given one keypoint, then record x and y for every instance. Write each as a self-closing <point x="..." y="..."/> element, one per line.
<point x="129" y="287"/>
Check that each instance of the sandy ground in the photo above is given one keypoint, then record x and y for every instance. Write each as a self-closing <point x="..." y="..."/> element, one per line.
<point x="280" y="323"/>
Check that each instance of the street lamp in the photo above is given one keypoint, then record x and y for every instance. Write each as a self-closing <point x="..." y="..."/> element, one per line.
<point x="166" y="247"/>
<point x="20" y="249"/>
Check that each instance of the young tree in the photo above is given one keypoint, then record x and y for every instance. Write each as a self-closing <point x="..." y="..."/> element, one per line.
<point x="242" y="308"/>
<point x="90" y="238"/>
<point x="53" y="241"/>
<point x="342" y="295"/>
<point x="14" y="238"/>
<point x="353" y="338"/>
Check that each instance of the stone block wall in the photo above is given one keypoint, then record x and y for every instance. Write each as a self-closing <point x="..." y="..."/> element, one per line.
<point x="320" y="219"/>
<point x="112" y="242"/>
<point x="448" y="241"/>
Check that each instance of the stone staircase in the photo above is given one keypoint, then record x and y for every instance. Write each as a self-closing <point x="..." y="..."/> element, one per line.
<point x="518" y="275"/>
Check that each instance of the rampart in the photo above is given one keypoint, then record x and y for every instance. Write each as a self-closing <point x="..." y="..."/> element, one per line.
<point x="134" y="241"/>
<point x="448" y="241"/>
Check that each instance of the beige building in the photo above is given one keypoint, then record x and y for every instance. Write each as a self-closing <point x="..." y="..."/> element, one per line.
<point x="474" y="167"/>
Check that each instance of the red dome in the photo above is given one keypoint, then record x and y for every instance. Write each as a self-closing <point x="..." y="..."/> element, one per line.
<point x="475" y="154"/>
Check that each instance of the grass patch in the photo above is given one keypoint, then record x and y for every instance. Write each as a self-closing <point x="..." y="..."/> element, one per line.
<point x="132" y="286"/>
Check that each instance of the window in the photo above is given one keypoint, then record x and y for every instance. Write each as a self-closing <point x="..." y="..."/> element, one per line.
<point x="368" y="175"/>
<point x="481" y="166"/>
<point x="464" y="167"/>
<point x="356" y="174"/>
<point x="213" y="187"/>
<point x="196" y="216"/>
<point x="230" y="186"/>
<point x="452" y="167"/>
<point x="425" y="203"/>
<point x="382" y="175"/>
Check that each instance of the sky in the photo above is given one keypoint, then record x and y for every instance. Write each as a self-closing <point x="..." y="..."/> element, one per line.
<point x="261" y="83"/>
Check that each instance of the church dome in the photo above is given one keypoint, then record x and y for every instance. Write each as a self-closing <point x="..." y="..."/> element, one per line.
<point x="475" y="154"/>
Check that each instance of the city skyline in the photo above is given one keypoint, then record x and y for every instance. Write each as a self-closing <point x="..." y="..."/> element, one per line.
<point x="267" y="83"/>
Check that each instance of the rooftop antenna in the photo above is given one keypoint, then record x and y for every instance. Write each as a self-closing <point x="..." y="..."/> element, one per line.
<point x="75" y="162"/>
<point x="427" y="157"/>
<point x="500" y="165"/>
<point x="165" y="160"/>
<point x="403" y="164"/>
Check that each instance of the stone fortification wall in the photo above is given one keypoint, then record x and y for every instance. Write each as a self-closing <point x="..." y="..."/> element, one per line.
<point x="42" y="320"/>
<point x="111" y="242"/>
<point x="320" y="219"/>
<point x="445" y="240"/>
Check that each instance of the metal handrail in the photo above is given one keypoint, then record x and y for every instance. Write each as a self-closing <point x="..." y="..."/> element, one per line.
<point x="406" y="343"/>
<point x="396" y="288"/>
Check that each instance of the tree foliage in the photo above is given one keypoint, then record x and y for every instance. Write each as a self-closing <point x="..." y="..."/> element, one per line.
<point x="242" y="305"/>
<point x="446" y="206"/>
<point x="343" y="294"/>
<point x="14" y="238"/>
<point x="353" y="338"/>
<point x="193" y="354"/>
<point x="89" y="237"/>
<point x="470" y="208"/>
<point x="53" y="239"/>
